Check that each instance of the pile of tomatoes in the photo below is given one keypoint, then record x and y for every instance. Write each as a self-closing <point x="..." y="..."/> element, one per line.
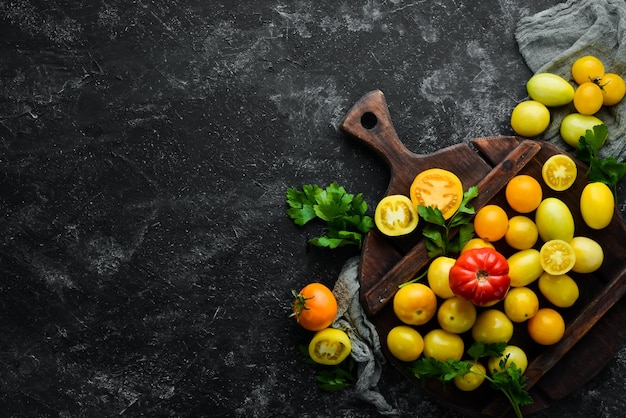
<point x="315" y="308"/>
<point x="590" y="89"/>
<point x="485" y="296"/>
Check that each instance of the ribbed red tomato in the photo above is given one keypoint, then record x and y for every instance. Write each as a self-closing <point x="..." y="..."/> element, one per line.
<point x="480" y="275"/>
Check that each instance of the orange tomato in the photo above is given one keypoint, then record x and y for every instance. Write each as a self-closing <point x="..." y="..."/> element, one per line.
<point x="523" y="193"/>
<point x="437" y="188"/>
<point x="588" y="98"/>
<point x="613" y="89"/>
<point x="587" y="68"/>
<point x="546" y="327"/>
<point x="315" y="307"/>
<point x="491" y="223"/>
<point x="415" y="304"/>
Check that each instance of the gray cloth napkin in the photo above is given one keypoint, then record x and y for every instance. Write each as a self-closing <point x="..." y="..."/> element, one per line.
<point x="363" y="335"/>
<point x="550" y="41"/>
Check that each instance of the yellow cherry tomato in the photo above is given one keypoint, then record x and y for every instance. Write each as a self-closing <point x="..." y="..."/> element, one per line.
<point x="415" y="304"/>
<point x="546" y="327"/>
<point x="589" y="254"/>
<point x="588" y="98"/>
<point x="492" y="326"/>
<point x="443" y="345"/>
<point x="476" y="243"/>
<point x="597" y="205"/>
<point x="330" y="346"/>
<point x="521" y="304"/>
<point x="557" y="256"/>
<point x="554" y="220"/>
<point x="491" y="223"/>
<point x="524" y="267"/>
<point x="574" y="125"/>
<point x="405" y="343"/>
<point x="559" y="172"/>
<point x="522" y="233"/>
<point x="560" y="290"/>
<point x="550" y="89"/>
<point x="523" y="193"/>
<point x="471" y="380"/>
<point x="587" y="68"/>
<point x="456" y="315"/>
<point x="438" y="276"/>
<point x="512" y="354"/>
<point x="613" y="89"/>
<point x="530" y="118"/>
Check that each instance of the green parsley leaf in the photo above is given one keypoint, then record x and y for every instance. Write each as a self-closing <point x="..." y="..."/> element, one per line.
<point x="344" y="214"/>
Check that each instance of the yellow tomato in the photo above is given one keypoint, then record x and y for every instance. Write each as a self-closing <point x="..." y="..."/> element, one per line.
<point x="415" y="304"/>
<point x="587" y="68"/>
<point x="554" y="220"/>
<point x="522" y="233"/>
<point x="588" y="98"/>
<point x="574" y="125"/>
<point x="405" y="343"/>
<point x="613" y="89"/>
<point x="524" y="267"/>
<point x="523" y="193"/>
<point x="472" y="380"/>
<point x="456" y="315"/>
<point x="589" y="254"/>
<point x="443" y="345"/>
<point x="438" y="276"/>
<point x="437" y="188"/>
<point x="396" y="215"/>
<point x="550" y="89"/>
<point x="546" y="327"/>
<point x="557" y="256"/>
<point x="560" y="290"/>
<point x="521" y="304"/>
<point x="559" y="172"/>
<point x="492" y="326"/>
<point x="491" y="222"/>
<point x="597" y="205"/>
<point x="330" y="346"/>
<point x="476" y="243"/>
<point x="530" y="118"/>
<point x="512" y="355"/>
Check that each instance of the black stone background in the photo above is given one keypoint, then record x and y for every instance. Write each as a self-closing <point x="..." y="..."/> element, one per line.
<point x="146" y="260"/>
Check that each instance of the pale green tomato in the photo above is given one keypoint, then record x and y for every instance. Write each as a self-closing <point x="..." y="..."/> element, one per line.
<point x="516" y="355"/>
<point x="589" y="254"/>
<point x="550" y="89"/>
<point x="597" y="205"/>
<point x="574" y="125"/>
<point x="524" y="267"/>
<point x="554" y="220"/>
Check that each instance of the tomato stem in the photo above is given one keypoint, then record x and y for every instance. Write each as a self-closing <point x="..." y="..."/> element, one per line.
<point x="299" y="304"/>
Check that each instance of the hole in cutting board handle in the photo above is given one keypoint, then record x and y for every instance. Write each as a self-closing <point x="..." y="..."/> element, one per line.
<point x="369" y="120"/>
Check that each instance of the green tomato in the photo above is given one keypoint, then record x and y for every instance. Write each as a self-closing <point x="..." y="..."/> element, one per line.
<point x="597" y="205"/>
<point x="554" y="220"/>
<point x="574" y="125"/>
<point x="550" y="89"/>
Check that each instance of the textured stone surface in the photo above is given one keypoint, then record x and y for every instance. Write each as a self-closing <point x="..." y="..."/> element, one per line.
<point x="146" y="260"/>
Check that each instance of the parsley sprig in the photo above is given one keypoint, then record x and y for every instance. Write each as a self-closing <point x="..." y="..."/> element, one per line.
<point x="344" y="214"/>
<point x="332" y="378"/>
<point x="606" y="170"/>
<point x="510" y="380"/>
<point x="437" y="232"/>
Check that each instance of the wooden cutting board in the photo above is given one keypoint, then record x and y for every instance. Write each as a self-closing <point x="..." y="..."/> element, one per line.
<point x="594" y="330"/>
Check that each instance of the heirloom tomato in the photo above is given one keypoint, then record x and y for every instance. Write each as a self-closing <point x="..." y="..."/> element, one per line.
<point x="443" y="345"/>
<point x="330" y="346"/>
<point x="405" y="343"/>
<point x="546" y="327"/>
<point x="480" y="275"/>
<point x="438" y="276"/>
<point x="456" y="315"/>
<point x="613" y="89"/>
<point x="523" y="193"/>
<point x="515" y="356"/>
<point x="395" y="215"/>
<point x="597" y="205"/>
<point x="415" y="304"/>
<point x="437" y="188"/>
<point x="492" y="326"/>
<point x="559" y="172"/>
<point x="315" y="307"/>
<point x="472" y="380"/>
<point x="491" y="223"/>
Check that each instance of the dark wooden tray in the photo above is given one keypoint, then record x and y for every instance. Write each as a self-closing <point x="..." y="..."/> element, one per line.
<point x="594" y="325"/>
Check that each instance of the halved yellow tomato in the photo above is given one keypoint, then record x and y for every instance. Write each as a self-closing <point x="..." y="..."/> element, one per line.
<point x="559" y="172"/>
<point x="437" y="188"/>
<point x="396" y="215"/>
<point x="330" y="346"/>
<point x="557" y="257"/>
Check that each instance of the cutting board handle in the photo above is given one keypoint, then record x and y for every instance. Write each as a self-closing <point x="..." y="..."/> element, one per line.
<point x="369" y="121"/>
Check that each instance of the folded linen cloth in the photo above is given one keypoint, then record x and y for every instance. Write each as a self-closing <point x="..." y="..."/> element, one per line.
<point x="551" y="40"/>
<point x="366" y="350"/>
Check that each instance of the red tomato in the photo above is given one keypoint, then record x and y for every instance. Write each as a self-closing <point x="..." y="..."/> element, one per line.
<point x="315" y="307"/>
<point x="480" y="275"/>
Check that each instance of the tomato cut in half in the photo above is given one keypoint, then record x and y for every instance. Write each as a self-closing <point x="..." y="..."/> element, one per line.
<point x="330" y="346"/>
<point x="396" y="215"/>
<point x="557" y="257"/>
<point x="437" y="188"/>
<point x="559" y="172"/>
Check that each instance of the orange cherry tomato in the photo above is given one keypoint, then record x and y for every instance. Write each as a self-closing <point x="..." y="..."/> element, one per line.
<point x="588" y="98"/>
<point x="315" y="307"/>
<point x="437" y="188"/>
<point x="491" y="223"/>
